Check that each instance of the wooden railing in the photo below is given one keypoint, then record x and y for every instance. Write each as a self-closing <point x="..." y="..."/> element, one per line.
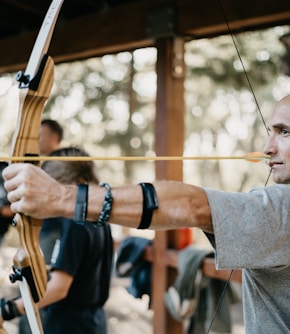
<point x="208" y="265"/>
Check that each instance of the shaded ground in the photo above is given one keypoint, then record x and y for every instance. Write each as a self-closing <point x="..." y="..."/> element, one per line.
<point x="126" y="315"/>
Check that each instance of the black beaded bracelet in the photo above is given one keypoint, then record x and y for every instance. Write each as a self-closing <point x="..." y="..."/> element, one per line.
<point x="81" y="207"/>
<point x="107" y="206"/>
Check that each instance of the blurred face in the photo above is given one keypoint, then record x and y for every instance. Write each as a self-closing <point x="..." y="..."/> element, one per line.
<point x="278" y="143"/>
<point x="48" y="140"/>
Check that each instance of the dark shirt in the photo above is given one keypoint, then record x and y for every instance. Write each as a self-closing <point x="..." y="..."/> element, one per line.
<point x="86" y="253"/>
<point x="4" y="221"/>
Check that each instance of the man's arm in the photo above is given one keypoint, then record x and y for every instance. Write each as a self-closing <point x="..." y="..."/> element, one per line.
<point x="33" y="192"/>
<point x="179" y="205"/>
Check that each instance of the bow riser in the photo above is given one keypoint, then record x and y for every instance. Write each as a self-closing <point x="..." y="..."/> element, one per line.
<point x="29" y="261"/>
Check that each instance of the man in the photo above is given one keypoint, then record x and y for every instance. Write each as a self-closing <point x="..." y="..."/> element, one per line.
<point x="251" y="230"/>
<point x="50" y="136"/>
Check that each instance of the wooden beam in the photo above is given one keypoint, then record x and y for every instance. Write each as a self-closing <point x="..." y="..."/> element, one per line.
<point x="169" y="134"/>
<point x="209" y="270"/>
<point x="118" y="29"/>
<point x="199" y="19"/>
<point x="170" y="258"/>
<point x="128" y="27"/>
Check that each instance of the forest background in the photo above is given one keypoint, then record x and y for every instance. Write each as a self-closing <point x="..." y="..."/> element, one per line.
<point x="107" y="106"/>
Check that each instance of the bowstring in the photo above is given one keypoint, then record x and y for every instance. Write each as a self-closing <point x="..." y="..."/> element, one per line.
<point x="242" y="64"/>
<point x="267" y="130"/>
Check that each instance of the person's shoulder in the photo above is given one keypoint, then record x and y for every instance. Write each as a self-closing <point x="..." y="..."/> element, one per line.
<point x="278" y="193"/>
<point x="276" y="188"/>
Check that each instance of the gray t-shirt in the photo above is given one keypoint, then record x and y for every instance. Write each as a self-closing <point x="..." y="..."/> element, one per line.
<point x="252" y="232"/>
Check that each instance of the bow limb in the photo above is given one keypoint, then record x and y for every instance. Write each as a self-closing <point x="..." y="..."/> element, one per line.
<point x="35" y="87"/>
<point x="41" y="45"/>
<point x="30" y="307"/>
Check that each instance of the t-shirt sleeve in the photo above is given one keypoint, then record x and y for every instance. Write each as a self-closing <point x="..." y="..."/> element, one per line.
<point x="71" y="250"/>
<point x="252" y="229"/>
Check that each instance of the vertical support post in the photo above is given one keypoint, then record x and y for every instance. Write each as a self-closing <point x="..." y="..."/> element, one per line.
<point x="169" y="134"/>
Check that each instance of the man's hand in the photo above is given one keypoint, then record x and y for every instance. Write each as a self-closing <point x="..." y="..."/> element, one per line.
<point x="33" y="192"/>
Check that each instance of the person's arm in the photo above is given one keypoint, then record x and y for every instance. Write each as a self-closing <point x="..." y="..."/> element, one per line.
<point x="5" y="211"/>
<point x="57" y="289"/>
<point x="180" y="205"/>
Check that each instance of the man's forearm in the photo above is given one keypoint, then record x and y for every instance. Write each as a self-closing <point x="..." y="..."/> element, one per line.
<point x="34" y="193"/>
<point x="179" y="205"/>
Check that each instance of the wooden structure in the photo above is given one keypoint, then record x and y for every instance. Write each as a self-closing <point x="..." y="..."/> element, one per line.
<point x="88" y="28"/>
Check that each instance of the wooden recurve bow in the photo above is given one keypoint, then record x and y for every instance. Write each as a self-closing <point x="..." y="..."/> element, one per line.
<point x="34" y="89"/>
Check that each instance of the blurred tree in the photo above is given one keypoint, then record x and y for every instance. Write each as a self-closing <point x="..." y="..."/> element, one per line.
<point x="102" y="107"/>
<point x="227" y="90"/>
<point x="107" y="105"/>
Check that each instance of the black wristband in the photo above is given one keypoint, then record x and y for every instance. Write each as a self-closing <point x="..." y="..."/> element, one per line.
<point x="107" y="206"/>
<point x="12" y="311"/>
<point x="150" y="203"/>
<point x="81" y="207"/>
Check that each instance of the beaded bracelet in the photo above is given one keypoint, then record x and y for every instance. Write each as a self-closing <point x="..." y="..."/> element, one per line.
<point x="107" y="206"/>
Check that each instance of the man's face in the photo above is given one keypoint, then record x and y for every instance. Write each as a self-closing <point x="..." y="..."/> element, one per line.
<point x="45" y="140"/>
<point x="278" y="143"/>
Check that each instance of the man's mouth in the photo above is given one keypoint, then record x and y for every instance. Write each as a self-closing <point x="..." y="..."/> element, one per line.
<point x="273" y="164"/>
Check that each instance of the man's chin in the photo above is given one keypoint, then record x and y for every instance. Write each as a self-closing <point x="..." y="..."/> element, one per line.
<point x="280" y="179"/>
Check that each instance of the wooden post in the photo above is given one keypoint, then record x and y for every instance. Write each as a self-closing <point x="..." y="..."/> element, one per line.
<point x="169" y="136"/>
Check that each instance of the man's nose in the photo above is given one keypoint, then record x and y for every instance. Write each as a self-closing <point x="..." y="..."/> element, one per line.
<point x="270" y="147"/>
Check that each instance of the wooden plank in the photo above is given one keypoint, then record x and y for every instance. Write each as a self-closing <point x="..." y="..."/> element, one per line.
<point x="169" y="141"/>
<point x="170" y="258"/>
<point x="209" y="270"/>
<point x="159" y="282"/>
<point x="209" y="18"/>
<point x="126" y="27"/>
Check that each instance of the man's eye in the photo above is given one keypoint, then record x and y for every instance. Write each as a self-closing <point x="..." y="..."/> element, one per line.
<point x="284" y="132"/>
